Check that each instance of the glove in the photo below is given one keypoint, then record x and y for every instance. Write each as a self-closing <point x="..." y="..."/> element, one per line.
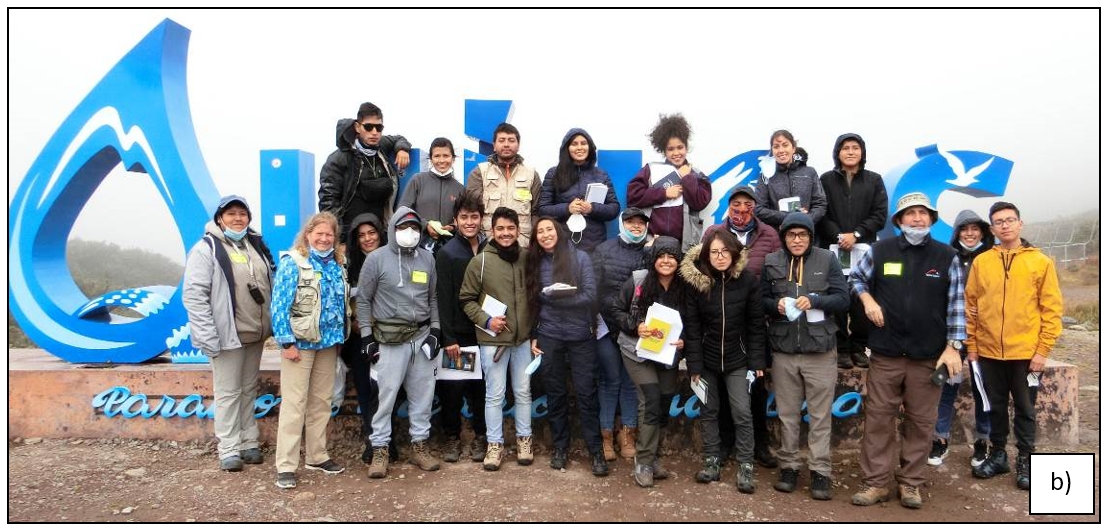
<point x="370" y="349"/>
<point x="430" y="345"/>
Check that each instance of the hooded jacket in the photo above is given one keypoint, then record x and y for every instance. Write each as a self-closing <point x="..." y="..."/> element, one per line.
<point x="398" y="284"/>
<point x="339" y="178"/>
<point x="509" y="184"/>
<point x="862" y="205"/>
<point x="354" y="255"/>
<point x="794" y="179"/>
<point x="966" y="256"/>
<point x="555" y="203"/>
<point x="451" y="263"/>
<point x="432" y="196"/>
<point x="488" y="274"/>
<point x="1013" y="304"/>
<point x="816" y="274"/>
<point x="628" y="309"/>
<point x="725" y="327"/>
<point x="563" y="317"/>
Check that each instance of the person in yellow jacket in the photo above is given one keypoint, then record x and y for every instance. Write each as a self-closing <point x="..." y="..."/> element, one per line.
<point x="1013" y="318"/>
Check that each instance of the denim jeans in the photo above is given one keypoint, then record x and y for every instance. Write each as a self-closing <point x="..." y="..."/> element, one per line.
<point x="515" y="358"/>
<point x="615" y="385"/>
<point x="946" y="412"/>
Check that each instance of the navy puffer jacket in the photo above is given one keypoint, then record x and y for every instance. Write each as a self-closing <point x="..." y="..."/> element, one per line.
<point x="613" y="262"/>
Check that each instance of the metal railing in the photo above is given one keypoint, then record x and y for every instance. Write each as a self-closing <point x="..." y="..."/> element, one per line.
<point x="1065" y="241"/>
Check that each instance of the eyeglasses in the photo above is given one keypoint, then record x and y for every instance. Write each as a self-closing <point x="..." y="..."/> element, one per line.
<point x="372" y="127"/>
<point x="720" y="253"/>
<point x="1003" y="222"/>
<point x="797" y="236"/>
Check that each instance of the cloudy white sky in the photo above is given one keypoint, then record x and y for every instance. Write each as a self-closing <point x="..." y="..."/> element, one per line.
<point x="1023" y="85"/>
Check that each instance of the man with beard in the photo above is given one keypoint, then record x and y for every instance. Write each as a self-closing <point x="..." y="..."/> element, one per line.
<point x="363" y="174"/>
<point x="911" y="288"/>
<point x="499" y="272"/>
<point x="504" y="181"/>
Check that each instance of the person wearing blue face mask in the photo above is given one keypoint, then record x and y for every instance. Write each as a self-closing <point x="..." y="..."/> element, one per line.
<point x="311" y="319"/>
<point x="227" y="284"/>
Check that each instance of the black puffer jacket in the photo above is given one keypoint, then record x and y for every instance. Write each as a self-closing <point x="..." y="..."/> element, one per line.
<point x="725" y="328"/>
<point x="792" y="180"/>
<point x="338" y="180"/>
<point x="613" y="262"/>
<point x="862" y="206"/>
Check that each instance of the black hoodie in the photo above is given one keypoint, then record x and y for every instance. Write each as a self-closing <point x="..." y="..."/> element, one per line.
<point x="861" y="206"/>
<point x="354" y="255"/>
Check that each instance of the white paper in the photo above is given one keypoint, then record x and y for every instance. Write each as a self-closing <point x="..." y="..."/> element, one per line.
<point x="750" y="377"/>
<point x="372" y="374"/>
<point x="857" y="251"/>
<point x="443" y="373"/>
<point x="659" y="172"/>
<point x="494" y="308"/>
<point x="791" y="311"/>
<point x="596" y="193"/>
<point x="814" y="315"/>
<point x="556" y="287"/>
<point x="784" y="203"/>
<point x="601" y="327"/>
<point x="669" y="351"/>
<point x="533" y="366"/>
<point x="700" y="389"/>
<point x="980" y="383"/>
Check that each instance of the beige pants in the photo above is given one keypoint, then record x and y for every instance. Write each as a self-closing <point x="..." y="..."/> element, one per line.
<point x="235" y="386"/>
<point x="306" y="387"/>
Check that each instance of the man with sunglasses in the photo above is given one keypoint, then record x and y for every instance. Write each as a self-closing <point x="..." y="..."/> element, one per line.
<point x="363" y="174"/>
<point x="1013" y="318"/>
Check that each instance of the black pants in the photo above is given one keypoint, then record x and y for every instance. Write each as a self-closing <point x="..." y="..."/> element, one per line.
<point x="735" y="393"/>
<point x="366" y="388"/>
<point x="578" y="359"/>
<point x="1004" y="378"/>
<point x="858" y="338"/>
<point x="451" y="394"/>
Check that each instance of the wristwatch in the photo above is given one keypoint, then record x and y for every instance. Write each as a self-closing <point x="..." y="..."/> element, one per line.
<point x="955" y="344"/>
<point x="857" y="235"/>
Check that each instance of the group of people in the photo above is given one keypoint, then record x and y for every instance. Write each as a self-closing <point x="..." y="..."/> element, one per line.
<point x="513" y="271"/>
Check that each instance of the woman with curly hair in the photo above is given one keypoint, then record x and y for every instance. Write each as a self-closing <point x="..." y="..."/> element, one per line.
<point x="672" y="191"/>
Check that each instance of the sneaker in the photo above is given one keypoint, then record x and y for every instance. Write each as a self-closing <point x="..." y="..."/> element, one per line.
<point x="493" y="456"/>
<point x="860" y="360"/>
<point x="787" y="483"/>
<point x="252" y="456"/>
<point x="939" y="451"/>
<point x="420" y="455"/>
<point x="745" y="479"/>
<point x="524" y="454"/>
<point x="870" y="496"/>
<point x="710" y="472"/>
<point x="763" y="456"/>
<point x="477" y="449"/>
<point x="452" y="450"/>
<point x="231" y="464"/>
<point x="910" y="497"/>
<point x="286" y="480"/>
<point x="559" y="459"/>
<point x="820" y="486"/>
<point x="644" y="475"/>
<point x="1023" y="471"/>
<point x="379" y="464"/>
<point x="328" y="467"/>
<point x="844" y="361"/>
<point x="658" y="471"/>
<point x="599" y="465"/>
<point x="995" y="463"/>
<point x="980" y="452"/>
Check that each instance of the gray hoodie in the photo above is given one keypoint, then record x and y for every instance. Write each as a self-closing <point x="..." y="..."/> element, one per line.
<point x="397" y="283"/>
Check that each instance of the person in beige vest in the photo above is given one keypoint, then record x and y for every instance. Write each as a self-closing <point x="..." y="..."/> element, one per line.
<point x="504" y="181"/>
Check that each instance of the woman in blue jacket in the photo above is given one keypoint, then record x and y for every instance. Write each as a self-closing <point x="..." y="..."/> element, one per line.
<point x="564" y="192"/>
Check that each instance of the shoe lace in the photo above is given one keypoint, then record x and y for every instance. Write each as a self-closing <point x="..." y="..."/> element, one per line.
<point x="525" y="445"/>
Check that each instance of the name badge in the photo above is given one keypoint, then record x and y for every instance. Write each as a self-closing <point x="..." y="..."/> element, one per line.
<point x="522" y="194"/>
<point x="319" y="275"/>
<point x="419" y="277"/>
<point x="238" y="258"/>
<point x="893" y="269"/>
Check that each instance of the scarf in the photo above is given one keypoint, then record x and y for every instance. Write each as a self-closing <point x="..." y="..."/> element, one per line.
<point x="367" y="151"/>
<point x="510" y="254"/>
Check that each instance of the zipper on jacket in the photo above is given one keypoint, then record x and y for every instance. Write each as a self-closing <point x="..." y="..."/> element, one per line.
<point x="723" y="319"/>
<point x="1004" y="299"/>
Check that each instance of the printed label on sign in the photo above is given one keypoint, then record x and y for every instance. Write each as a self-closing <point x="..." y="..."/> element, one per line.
<point x="522" y="194"/>
<point x="893" y="269"/>
<point x="419" y="277"/>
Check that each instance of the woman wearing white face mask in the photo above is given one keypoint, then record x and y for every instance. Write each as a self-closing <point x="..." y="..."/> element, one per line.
<point x="565" y="188"/>
<point x="227" y="284"/>
<point x="311" y="318"/>
<point x="432" y="194"/>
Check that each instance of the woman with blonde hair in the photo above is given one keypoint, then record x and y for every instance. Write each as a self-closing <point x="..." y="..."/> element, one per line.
<point x="311" y="319"/>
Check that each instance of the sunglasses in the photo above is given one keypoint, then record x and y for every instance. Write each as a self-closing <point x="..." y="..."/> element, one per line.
<point x="372" y="127"/>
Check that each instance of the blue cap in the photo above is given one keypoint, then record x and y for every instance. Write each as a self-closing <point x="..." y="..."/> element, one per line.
<point x="229" y="200"/>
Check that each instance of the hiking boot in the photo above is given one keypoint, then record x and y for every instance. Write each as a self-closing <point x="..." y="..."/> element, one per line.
<point x="763" y="456"/>
<point x="644" y="476"/>
<point x="860" y="360"/>
<point x="286" y="480"/>
<point x="252" y="456"/>
<point x="844" y="360"/>
<point x="910" y="497"/>
<point x="493" y="455"/>
<point x="820" y="486"/>
<point x="939" y="451"/>
<point x="626" y="441"/>
<point x="606" y="445"/>
<point x="558" y="460"/>
<point x="1023" y="471"/>
<point x="420" y="455"/>
<point x="599" y="465"/>
<point x="710" y="472"/>
<point x="995" y="463"/>
<point x="658" y="471"/>
<point x="870" y="496"/>
<point x="477" y="448"/>
<point x="452" y="450"/>
<point x="980" y="452"/>
<point x="787" y="483"/>
<point x="379" y="464"/>
<point x="745" y="479"/>
<point x="524" y="454"/>
<point x="232" y="463"/>
<point x="327" y="467"/>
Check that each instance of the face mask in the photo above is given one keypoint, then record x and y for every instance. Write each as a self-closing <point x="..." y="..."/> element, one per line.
<point x="235" y="235"/>
<point x="915" y="236"/>
<point x="435" y="171"/>
<point x="407" y="238"/>
<point x="975" y="247"/>
<point x="322" y="254"/>
<point x="576" y="223"/>
<point x="630" y="237"/>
